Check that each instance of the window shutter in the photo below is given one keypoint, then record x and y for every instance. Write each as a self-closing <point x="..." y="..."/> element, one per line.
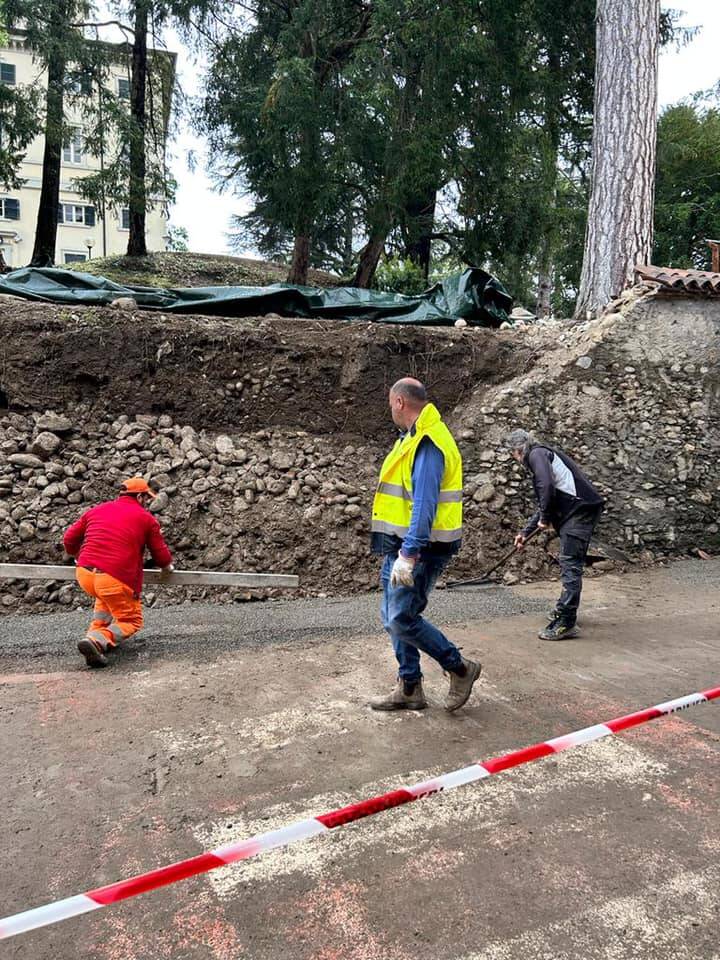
<point x="61" y="218"/>
<point x="89" y="216"/>
<point x="12" y="208"/>
<point x="7" y="73"/>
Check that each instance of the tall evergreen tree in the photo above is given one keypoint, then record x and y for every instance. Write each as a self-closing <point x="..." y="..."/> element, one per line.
<point x="132" y="134"/>
<point x="407" y="121"/>
<point x="278" y="134"/>
<point x="523" y="158"/>
<point x="52" y="33"/>
<point x="19" y="120"/>
<point x="347" y="121"/>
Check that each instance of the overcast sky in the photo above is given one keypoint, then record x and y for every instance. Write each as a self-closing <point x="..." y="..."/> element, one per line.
<point x="205" y="213"/>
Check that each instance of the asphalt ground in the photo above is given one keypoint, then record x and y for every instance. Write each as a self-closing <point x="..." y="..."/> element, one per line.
<point x="221" y="722"/>
<point x="192" y="630"/>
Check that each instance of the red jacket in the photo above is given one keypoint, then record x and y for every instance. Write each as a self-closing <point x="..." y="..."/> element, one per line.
<point x="113" y="537"/>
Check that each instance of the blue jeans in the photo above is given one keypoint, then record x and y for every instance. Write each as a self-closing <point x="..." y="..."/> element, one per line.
<point x="401" y="611"/>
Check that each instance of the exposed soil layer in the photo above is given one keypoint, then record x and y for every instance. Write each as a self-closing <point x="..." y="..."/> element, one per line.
<point x="320" y="376"/>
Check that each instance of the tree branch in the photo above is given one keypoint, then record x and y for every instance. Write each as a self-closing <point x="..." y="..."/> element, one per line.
<point x="106" y="23"/>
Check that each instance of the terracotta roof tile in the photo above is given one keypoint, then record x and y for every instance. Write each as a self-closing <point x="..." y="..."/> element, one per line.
<point x="691" y="281"/>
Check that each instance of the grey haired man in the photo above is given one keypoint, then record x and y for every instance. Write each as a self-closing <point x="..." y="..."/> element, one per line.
<point x="568" y="502"/>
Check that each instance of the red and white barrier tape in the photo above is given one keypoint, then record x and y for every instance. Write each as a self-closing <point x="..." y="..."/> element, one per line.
<point x="304" y="829"/>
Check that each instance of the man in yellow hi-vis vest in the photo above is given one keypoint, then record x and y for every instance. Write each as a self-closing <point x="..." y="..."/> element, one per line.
<point x="417" y="527"/>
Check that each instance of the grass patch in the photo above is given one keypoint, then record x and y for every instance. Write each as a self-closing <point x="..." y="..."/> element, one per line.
<point x="193" y="270"/>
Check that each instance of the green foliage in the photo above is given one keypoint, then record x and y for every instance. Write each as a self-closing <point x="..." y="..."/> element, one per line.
<point x="51" y="31"/>
<point x="109" y="128"/>
<point x="48" y="27"/>
<point x="529" y="109"/>
<point x="19" y="124"/>
<point x="278" y="136"/>
<point x="687" y="203"/>
<point x="407" y="116"/>
<point x="571" y="205"/>
<point x="399" y="275"/>
<point x="406" y="122"/>
<point x="178" y="240"/>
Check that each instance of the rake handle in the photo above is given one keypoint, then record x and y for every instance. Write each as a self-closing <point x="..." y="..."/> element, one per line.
<point x="504" y="559"/>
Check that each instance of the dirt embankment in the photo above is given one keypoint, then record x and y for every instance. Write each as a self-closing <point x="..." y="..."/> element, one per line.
<point x="326" y="377"/>
<point x="266" y="435"/>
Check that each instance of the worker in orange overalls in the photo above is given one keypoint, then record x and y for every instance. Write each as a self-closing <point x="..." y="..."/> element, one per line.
<point x="109" y="542"/>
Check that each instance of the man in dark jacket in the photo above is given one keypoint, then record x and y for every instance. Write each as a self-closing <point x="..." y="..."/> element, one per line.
<point x="568" y="502"/>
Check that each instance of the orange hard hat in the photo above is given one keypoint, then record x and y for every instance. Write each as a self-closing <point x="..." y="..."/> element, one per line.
<point x="137" y="485"/>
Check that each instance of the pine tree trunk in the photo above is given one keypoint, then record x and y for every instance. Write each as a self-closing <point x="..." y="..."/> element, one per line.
<point x="300" y="263"/>
<point x="137" y="193"/>
<point x="620" y="214"/>
<point x="47" y="222"/>
<point x="551" y="126"/>
<point x="543" y="307"/>
<point x="369" y="259"/>
<point x="348" y="255"/>
<point x="420" y="221"/>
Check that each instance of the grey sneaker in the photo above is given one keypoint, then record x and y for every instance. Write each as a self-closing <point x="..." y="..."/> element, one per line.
<point x="399" y="700"/>
<point x="94" y="652"/>
<point x="558" y="631"/>
<point x="461" y="687"/>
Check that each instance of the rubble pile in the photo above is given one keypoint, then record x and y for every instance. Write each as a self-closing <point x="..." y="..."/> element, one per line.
<point x="632" y="395"/>
<point x="268" y="501"/>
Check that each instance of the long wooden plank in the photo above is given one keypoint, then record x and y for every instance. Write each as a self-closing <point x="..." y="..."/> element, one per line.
<point x="186" y="578"/>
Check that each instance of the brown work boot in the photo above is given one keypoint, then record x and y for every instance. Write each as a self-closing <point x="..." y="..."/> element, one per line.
<point x="461" y="686"/>
<point x="94" y="652"/>
<point x="405" y="696"/>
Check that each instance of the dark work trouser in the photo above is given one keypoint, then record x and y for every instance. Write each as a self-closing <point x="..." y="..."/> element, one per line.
<point x="575" y="535"/>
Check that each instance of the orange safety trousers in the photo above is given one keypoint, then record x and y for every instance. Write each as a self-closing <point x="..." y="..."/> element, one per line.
<point x="118" y="611"/>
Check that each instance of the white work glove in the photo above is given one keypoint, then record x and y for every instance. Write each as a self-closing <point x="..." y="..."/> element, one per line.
<point x="401" y="574"/>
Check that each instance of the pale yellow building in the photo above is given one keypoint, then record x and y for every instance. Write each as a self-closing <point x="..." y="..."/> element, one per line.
<point x="82" y="230"/>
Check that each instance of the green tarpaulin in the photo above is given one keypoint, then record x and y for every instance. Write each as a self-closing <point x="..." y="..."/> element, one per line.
<point x="473" y="295"/>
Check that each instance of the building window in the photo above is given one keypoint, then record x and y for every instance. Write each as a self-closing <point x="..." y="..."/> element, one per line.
<point x="123" y="88"/>
<point x="77" y="214"/>
<point x="9" y="208"/>
<point x="7" y="73"/>
<point x="125" y="218"/>
<point x="73" y="149"/>
<point x="80" y="84"/>
<point x="70" y="256"/>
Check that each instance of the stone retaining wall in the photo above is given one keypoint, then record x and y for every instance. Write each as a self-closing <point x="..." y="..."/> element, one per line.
<point x="632" y="395"/>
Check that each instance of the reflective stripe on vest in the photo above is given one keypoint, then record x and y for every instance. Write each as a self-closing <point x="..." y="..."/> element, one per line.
<point x="395" y="490"/>
<point x="392" y="508"/>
